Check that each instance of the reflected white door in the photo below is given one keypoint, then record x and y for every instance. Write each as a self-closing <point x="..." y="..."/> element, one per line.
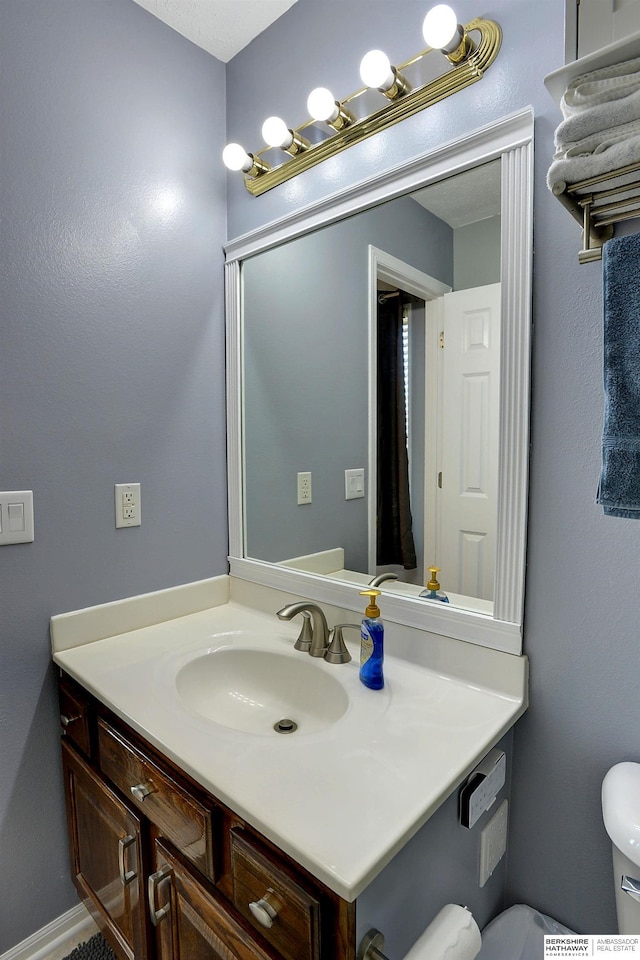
<point x="470" y="428"/>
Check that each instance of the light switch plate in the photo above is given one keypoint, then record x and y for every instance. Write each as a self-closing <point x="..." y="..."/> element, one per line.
<point x="16" y="517"/>
<point x="354" y="484"/>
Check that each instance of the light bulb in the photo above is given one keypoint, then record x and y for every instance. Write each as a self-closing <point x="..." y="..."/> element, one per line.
<point x="322" y="105"/>
<point x="235" y="157"/>
<point x="440" y="27"/>
<point x="276" y="133"/>
<point x="375" y="70"/>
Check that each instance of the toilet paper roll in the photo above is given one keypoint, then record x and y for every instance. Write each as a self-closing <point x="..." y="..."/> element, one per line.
<point x="453" y="935"/>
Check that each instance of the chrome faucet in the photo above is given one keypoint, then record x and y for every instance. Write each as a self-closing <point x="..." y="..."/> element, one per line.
<point x="319" y="626"/>
<point x="381" y="577"/>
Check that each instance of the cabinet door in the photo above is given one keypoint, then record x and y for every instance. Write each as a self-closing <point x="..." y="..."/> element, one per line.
<point x="106" y="856"/>
<point x="192" y="922"/>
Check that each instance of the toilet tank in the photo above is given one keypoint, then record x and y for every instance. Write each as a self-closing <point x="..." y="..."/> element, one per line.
<point x="621" y="814"/>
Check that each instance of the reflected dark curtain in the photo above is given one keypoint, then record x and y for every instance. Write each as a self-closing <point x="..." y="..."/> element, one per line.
<point x="394" y="525"/>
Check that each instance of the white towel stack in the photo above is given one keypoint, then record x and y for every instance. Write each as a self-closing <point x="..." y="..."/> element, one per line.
<point x="601" y="129"/>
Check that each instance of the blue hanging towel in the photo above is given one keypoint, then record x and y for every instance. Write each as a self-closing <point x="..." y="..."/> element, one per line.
<point x="619" y="489"/>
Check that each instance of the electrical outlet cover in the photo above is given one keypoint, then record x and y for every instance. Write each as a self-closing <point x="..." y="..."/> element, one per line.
<point x="304" y="487"/>
<point x="127" y="504"/>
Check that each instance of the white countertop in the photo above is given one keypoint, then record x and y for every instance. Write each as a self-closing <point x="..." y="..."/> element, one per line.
<point x="341" y="802"/>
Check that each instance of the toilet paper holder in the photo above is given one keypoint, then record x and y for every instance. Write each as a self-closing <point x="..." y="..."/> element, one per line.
<point x="453" y="933"/>
<point x="371" y="946"/>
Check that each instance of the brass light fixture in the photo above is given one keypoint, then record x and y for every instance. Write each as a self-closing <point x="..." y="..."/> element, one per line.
<point x="338" y="124"/>
<point x="277" y="134"/>
<point x="376" y="72"/>
<point x="323" y="106"/>
<point x="235" y="157"/>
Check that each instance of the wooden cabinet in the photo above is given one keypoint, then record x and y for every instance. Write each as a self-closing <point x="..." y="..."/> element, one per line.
<point x="286" y="914"/>
<point x="76" y="715"/>
<point x="179" y="816"/>
<point x="170" y="873"/>
<point x="105" y="838"/>
<point x="192" y="922"/>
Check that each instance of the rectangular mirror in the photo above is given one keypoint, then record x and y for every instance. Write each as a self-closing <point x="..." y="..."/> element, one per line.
<point x="378" y="393"/>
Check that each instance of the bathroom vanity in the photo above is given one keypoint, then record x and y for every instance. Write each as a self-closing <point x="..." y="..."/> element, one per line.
<point x="151" y="849"/>
<point x="200" y="834"/>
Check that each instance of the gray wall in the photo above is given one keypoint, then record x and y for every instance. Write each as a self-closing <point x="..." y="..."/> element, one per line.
<point x="100" y="104"/>
<point x="305" y="344"/>
<point x="111" y="364"/>
<point x="476" y="254"/>
<point x="581" y="628"/>
<point x="438" y="866"/>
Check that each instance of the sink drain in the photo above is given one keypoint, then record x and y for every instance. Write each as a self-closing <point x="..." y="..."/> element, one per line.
<point x="285" y="726"/>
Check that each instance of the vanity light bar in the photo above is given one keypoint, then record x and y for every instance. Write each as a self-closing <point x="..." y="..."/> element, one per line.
<point x="470" y="58"/>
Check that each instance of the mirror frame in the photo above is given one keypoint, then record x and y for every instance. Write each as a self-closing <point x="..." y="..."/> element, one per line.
<point x="510" y="139"/>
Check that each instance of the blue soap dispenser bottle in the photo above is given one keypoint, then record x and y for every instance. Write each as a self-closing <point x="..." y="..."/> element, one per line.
<point x="433" y="591"/>
<point x="372" y="644"/>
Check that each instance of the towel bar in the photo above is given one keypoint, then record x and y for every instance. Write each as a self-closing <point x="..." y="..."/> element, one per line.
<point x="598" y="210"/>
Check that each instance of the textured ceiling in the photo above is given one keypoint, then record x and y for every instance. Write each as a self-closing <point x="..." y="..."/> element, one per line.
<point x="221" y="27"/>
<point x="466" y="197"/>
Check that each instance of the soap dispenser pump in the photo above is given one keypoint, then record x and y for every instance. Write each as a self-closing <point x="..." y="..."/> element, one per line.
<point x="433" y="591"/>
<point x="371" y="643"/>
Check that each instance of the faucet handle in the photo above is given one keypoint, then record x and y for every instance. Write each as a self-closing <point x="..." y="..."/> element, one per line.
<point x="337" y="650"/>
<point x="306" y="634"/>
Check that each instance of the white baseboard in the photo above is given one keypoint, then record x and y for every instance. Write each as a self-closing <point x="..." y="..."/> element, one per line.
<point x="71" y="927"/>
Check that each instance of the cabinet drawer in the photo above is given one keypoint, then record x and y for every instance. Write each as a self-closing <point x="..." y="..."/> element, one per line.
<point x="179" y="816"/>
<point x="192" y="921"/>
<point x="74" y="715"/>
<point x="275" y="896"/>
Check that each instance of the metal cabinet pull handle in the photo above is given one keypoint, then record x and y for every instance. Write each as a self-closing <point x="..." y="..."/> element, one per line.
<point x="126" y="876"/>
<point x="630" y="886"/>
<point x="142" y="790"/>
<point x="266" y="909"/>
<point x="154" y="879"/>
<point x="65" y="719"/>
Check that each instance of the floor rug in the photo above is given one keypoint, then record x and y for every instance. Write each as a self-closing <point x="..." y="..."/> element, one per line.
<point x="96" y="948"/>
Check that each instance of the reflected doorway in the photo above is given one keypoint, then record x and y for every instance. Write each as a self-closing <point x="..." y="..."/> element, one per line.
<point x="442" y="428"/>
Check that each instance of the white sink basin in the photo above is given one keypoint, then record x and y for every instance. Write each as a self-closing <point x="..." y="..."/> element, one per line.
<point x="252" y="691"/>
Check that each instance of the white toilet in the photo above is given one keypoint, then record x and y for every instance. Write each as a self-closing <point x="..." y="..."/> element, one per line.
<point x="621" y="814"/>
<point x="519" y="931"/>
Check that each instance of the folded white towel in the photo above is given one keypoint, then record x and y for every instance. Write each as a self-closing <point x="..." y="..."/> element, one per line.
<point x="612" y="155"/>
<point x="600" y="141"/>
<point x="599" y="118"/>
<point x="601" y="86"/>
<point x="601" y="129"/>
